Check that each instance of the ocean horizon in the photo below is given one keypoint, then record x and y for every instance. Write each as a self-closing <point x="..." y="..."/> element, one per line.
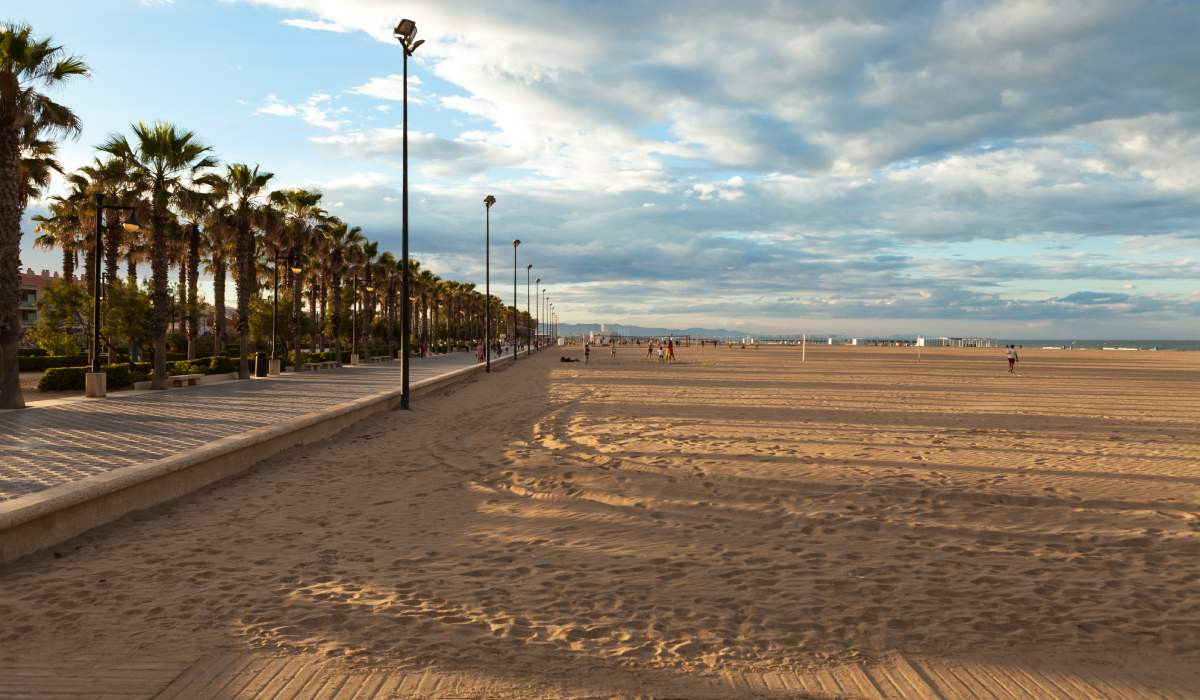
<point x="1086" y="344"/>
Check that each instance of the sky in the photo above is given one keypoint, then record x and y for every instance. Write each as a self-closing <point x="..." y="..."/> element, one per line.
<point x="1016" y="169"/>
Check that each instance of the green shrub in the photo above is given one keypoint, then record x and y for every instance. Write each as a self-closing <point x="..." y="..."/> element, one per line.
<point x="219" y="364"/>
<point x="183" y="367"/>
<point x="72" y="378"/>
<point x="34" y="363"/>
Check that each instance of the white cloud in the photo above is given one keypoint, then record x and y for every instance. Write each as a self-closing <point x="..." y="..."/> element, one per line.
<point x="312" y="110"/>
<point x="390" y="87"/>
<point x="316" y="25"/>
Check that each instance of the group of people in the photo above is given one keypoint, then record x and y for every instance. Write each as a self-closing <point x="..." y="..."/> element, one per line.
<point x="666" y="351"/>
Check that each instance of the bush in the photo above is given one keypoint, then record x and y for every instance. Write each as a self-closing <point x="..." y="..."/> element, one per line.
<point x="72" y="378"/>
<point x="33" y="363"/>
<point x="31" y="352"/>
<point x="183" y="367"/>
<point x="219" y="364"/>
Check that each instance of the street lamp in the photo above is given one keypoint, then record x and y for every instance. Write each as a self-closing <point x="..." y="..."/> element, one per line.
<point x="406" y="34"/>
<point x="95" y="383"/>
<point x="516" y="242"/>
<point x="529" y="313"/>
<point x="488" y="201"/>
<point x="537" y="292"/>
<point x="273" y="368"/>
<point x="370" y="289"/>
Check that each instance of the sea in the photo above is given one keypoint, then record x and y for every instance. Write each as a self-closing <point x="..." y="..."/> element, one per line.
<point x="1100" y="344"/>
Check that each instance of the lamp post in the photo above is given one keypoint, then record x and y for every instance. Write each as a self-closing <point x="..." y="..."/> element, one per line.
<point x="537" y="292"/>
<point x="488" y="201"/>
<point x="353" y="322"/>
<point x="529" y="313"/>
<point x="96" y="382"/>
<point x="542" y="315"/>
<point x="366" y="341"/>
<point x="406" y="34"/>
<point x="273" y="367"/>
<point x="516" y="242"/>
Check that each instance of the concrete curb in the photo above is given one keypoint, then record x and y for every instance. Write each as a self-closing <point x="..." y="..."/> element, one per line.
<point x="46" y="518"/>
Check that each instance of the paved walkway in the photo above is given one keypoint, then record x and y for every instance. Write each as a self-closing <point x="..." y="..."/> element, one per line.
<point x="56" y="442"/>
<point x="259" y="676"/>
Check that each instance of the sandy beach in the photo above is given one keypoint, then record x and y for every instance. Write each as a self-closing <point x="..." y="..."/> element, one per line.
<point x="737" y="510"/>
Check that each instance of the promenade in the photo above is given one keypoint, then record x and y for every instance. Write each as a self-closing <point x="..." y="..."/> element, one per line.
<point x="60" y="441"/>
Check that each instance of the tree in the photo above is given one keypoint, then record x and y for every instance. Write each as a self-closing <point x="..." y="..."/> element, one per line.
<point x="62" y="309"/>
<point x="160" y="159"/>
<point x="59" y="230"/>
<point x="26" y="160"/>
<point x="127" y="316"/>
<point x="245" y="185"/>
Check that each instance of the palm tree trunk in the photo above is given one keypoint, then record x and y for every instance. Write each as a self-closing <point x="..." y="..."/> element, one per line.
<point x="193" y="305"/>
<point x="219" y="305"/>
<point x="68" y="263"/>
<point x="131" y="268"/>
<point x="11" y="209"/>
<point x="160" y="295"/>
<point x="245" y="281"/>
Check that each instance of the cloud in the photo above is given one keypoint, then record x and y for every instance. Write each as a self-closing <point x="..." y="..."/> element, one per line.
<point x="312" y="110"/>
<point x="390" y="87"/>
<point x="316" y="25"/>
<point x="973" y="162"/>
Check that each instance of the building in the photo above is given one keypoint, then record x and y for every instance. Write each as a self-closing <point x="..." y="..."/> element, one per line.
<point x="33" y="286"/>
<point x="945" y="342"/>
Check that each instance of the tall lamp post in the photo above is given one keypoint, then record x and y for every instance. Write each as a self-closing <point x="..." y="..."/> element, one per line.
<point x="516" y="242"/>
<point x="543" y="317"/>
<point x="96" y="382"/>
<point x="488" y="201"/>
<point x="537" y="292"/>
<point x="273" y="367"/>
<point x="406" y="34"/>
<point x="529" y="313"/>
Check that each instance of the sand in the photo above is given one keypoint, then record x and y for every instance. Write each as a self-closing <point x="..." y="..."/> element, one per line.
<point x="737" y="510"/>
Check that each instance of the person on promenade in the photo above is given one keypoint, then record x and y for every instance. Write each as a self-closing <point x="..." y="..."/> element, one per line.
<point x="479" y="352"/>
<point x="587" y="351"/>
<point x="1012" y="358"/>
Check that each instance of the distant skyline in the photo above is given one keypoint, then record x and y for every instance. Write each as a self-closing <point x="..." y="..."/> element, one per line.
<point x="1009" y="169"/>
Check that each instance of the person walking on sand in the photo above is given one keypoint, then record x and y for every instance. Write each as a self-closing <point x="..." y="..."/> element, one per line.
<point x="587" y="351"/>
<point x="612" y="350"/>
<point x="649" y="349"/>
<point x="1012" y="358"/>
<point x="670" y="351"/>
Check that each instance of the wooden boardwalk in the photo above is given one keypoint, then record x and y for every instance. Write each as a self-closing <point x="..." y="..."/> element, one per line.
<point x="262" y="677"/>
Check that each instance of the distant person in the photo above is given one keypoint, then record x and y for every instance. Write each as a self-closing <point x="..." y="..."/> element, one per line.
<point x="649" y="349"/>
<point x="587" y="351"/>
<point x="612" y="350"/>
<point x="479" y="352"/>
<point x="670" y="351"/>
<point x="660" y="351"/>
<point x="1012" y="359"/>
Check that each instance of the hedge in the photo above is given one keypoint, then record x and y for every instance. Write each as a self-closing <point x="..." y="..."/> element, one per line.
<point x="72" y="378"/>
<point x="34" y="363"/>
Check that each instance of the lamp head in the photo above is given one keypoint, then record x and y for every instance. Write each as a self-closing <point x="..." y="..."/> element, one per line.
<point x="296" y="269"/>
<point x="405" y="31"/>
<point x="370" y="288"/>
<point x="516" y="242"/>
<point x="488" y="201"/>
<point x="131" y="223"/>
<point x="529" y="266"/>
<point x="538" y="280"/>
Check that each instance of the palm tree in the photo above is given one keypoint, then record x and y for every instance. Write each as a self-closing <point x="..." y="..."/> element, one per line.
<point x="60" y="230"/>
<point x="245" y="185"/>
<point x="26" y="116"/>
<point x="296" y="236"/>
<point x="162" y="157"/>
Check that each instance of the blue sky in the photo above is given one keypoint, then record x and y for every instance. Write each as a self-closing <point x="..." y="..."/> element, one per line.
<point x="1018" y="169"/>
